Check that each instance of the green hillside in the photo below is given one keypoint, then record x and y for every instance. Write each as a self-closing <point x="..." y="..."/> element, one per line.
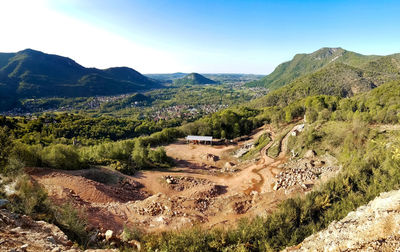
<point x="337" y="79"/>
<point x="303" y="64"/>
<point x="193" y="79"/>
<point x="33" y="74"/>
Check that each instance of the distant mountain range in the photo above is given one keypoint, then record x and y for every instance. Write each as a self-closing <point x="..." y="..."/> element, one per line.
<point x="193" y="79"/>
<point x="330" y="71"/>
<point x="33" y="74"/>
<point x="217" y="77"/>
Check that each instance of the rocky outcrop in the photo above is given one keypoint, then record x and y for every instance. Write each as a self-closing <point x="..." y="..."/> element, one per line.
<point x="304" y="171"/>
<point x="246" y="148"/>
<point x="211" y="157"/>
<point x="229" y="167"/>
<point x="373" y="227"/>
<point x="21" y="233"/>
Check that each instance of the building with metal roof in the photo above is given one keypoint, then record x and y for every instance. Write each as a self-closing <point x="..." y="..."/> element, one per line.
<point x="199" y="139"/>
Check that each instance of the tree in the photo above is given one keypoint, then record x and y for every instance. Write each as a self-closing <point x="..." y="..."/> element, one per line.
<point x="6" y="145"/>
<point x="140" y="155"/>
<point x="236" y="130"/>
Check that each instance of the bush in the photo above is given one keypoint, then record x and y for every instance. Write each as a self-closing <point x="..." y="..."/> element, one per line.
<point x="14" y="166"/>
<point x="61" y="156"/>
<point x="69" y="220"/>
<point x="158" y="156"/>
<point x="31" y="199"/>
<point x="29" y="154"/>
<point x="6" y="145"/>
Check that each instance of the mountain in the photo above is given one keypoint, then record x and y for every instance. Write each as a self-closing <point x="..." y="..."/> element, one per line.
<point x="303" y="64"/>
<point x="343" y="74"/>
<point x="193" y="79"/>
<point x="217" y="77"/>
<point x="168" y="78"/>
<point x="337" y="79"/>
<point x="33" y="74"/>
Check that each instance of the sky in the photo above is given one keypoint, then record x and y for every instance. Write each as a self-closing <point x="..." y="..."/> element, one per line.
<point x="205" y="36"/>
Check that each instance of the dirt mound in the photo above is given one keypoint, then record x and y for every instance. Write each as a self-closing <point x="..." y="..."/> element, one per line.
<point x="70" y="183"/>
<point x="180" y="183"/>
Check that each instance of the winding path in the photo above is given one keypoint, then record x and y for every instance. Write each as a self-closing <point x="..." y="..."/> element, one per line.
<point x="270" y="163"/>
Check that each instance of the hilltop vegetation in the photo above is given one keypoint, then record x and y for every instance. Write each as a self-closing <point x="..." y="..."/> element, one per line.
<point x="378" y="68"/>
<point x="336" y="79"/>
<point x="30" y="74"/>
<point x="193" y="79"/>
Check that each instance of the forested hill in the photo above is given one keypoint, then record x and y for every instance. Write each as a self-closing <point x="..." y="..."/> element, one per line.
<point x="338" y="79"/>
<point x="30" y="73"/>
<point x="193" y="79"/>
<point x="303" y="64"/>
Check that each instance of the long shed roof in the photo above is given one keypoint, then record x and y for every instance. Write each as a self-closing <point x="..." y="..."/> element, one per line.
<point x="199" y="138"/>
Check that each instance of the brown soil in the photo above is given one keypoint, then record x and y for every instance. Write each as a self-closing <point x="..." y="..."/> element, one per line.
<point x="196" y="191"/>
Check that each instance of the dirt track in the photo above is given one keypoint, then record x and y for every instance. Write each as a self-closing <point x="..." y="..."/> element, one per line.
<point x="199" y="192"/>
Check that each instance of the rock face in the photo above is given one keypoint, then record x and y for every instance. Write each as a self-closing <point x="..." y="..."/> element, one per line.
<point x="374" y="227"/>
<point x="21" y="233"/>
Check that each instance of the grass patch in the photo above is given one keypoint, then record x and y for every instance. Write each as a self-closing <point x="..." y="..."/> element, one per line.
<point x="260" y="143"/>
<point x="275" y="148"/>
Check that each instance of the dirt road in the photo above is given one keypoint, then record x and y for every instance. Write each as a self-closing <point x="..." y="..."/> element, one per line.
<point x="196" y="191"/>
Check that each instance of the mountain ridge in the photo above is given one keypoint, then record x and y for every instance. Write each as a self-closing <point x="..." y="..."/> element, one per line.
<point x="302" y="64"/>
<point x="32" y="74"/>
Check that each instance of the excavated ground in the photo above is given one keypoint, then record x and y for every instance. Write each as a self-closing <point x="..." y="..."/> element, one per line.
<point x="208" y="187"/>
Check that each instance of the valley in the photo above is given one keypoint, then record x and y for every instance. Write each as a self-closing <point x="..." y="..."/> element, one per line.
<point x="195" y="192"/>
<point x="292" y="152"/>
<point x="215" y="126"/>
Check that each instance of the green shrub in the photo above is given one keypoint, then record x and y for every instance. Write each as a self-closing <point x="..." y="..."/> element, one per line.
<point x="31" y="199"/>
<point x="6" y="146"/>
<point x="71" y="222"/>
<point x="14" y="166"/>
<point x="158" y="156"/>
<point x="29" y="154"/>
<point x="260" y="143"/>
<point x="61" y="156"/>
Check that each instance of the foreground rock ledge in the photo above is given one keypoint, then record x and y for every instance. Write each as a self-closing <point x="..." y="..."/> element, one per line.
<point x="374" y="227"/>
<point x="21" y="233"/>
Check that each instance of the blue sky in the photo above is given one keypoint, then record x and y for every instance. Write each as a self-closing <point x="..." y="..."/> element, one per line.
<point x="158" y="36"/>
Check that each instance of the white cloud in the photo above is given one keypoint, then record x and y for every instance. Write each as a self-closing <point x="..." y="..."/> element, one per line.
<point x="33" y="24"/>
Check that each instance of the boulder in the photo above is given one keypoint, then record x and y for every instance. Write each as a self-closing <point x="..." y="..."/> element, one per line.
<point x="229" y="167"/>
<point x="3" y="203"/>
<point x="109" y="234"/>
<point x="212" y="157"/>
<point x="135" y="244"/>
<point x="310" y="154"/>
<point x="24" y="247"/>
